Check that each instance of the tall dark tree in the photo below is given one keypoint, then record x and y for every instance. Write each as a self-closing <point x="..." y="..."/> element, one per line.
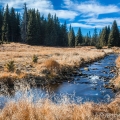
<point x="108" y="31"/>
<point x="94" y="37"/>
<point x="63" y="41"/>
<point x="87" y="40"/>
<point x="6" y="25"/>
<point x="1" y="22"/>
<point x="71" y="39"/>
<point x="38" y="29"/>
<point x="31" y="28"/>
<point x="104" y="37"/>
<point x="49" y="31"/>
<point x="24" y="25"/>
<point x="114" y="39"/>
<point x="17" y="27"/>
<point x="12" y="24"/>
<point x="78" y="38"/>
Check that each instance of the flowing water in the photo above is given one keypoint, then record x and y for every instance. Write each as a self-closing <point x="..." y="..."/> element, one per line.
<point x="89" y="86"/>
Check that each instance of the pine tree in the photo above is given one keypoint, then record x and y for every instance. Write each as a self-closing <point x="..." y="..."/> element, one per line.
<point x="1" y="22"/>
<point x="104" y="37"/>
<point x="94" y="37"/>
<point x="71" y="40"/>
<point x="12" y="24"/>
<point x="6" y="25"/>
<point x="17" y="28"/>
<point x="31" y="28"/>
<point x="87" y="40"/>
<point x="78" y="38"/>
<point x="114" y="39"/>
<point x="43" y="30"/>
<point x="63" y="41"/>
<point x="70" y="28"/>
<point x="49" y="29"/>
<point x="38" y="28"/>
<point x="108" y="31"/>
<point x="24" y="24"/>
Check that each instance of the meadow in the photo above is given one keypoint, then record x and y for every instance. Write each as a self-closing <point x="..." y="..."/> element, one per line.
<point x="49" y="59"/>
<point x="53" y="61"/>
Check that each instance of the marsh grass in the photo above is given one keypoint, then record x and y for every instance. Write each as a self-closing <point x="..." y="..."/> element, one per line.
<point x="118" y="62"/>
<point x="47" y="59"/>
<point x="55" y="60"/>
<point x="44" y="109"/>
<point x="10" y="66"/>
<point x="35" y="59"/>
<point x="52" y="65"/>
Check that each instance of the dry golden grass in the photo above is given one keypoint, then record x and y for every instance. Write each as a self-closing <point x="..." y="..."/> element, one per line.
<point x="52" y="65"/>
<point x="116" y="82"/>
<point x="118" y="62"/>
<point x="52" y="58"/>
<point x="46" y="110"/>
<point x="48" y="57"/>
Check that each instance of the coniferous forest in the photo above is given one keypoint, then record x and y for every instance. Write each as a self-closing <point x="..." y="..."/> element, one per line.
<point x="33" y="28"/>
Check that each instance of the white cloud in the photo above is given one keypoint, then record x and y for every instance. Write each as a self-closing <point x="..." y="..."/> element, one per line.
<point x="30" y="3"/>
<point x="44" y="6"/>
<point x="105" y="21"/>
<point x="93" y="22"/>
<point x="90" y="8"/>
<point x="89" y="12"/>
<point x="87" y="26"/>
<point x="80" y="25"/>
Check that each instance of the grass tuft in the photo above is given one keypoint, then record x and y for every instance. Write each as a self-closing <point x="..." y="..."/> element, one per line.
<point x="10" y="66"/>
<point x="35" y="59"/>
<point x="52" y="65"/>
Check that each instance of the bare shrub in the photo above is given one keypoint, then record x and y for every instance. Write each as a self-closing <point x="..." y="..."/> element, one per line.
<point x="52" y="65"/>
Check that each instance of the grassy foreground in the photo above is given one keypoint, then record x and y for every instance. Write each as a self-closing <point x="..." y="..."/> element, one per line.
<point x="52" y="60"/>
<point x="49" y="62"/>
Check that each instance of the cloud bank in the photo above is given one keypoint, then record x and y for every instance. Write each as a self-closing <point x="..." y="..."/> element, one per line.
<point x="79" y="14"/>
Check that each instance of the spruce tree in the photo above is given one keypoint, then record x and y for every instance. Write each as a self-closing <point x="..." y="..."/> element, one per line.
<point x="71" y="40"/>
<point x="104" y="37"/>
<point x="17" y="28"/>
<point x="1" y="22"/>
<point x="38" y="28"/>
<point x="94" y="37"/>
<point x="31" y="28"/>
<point x="24" y="25"/>
<point x="114" y="39"/>
<point x="43" y="30"/>
<point x="6" y="25"/>
<point x="49" y="29"/>
<point x="12" y="24"/>
<point x="108" y="31"/>
<point x="87" y="40"/>
<point x="63" y="41"/>
<point x="78" y="38"/>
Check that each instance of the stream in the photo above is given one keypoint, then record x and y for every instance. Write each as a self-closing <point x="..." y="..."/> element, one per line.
<point x="86" y="87"/>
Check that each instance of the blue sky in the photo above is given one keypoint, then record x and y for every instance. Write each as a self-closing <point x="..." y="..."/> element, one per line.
<point x="86" y="14"/>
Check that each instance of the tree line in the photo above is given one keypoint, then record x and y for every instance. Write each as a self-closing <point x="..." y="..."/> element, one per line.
<point x="34" y="29"/>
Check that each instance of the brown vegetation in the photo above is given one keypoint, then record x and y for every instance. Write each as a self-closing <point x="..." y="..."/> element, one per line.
<point x="46" y="110"/>
<point x="51" y="59"/>
<point x="48" y="58"/>
<point x="52" y="65"/>
<point x="118" y="62"/>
